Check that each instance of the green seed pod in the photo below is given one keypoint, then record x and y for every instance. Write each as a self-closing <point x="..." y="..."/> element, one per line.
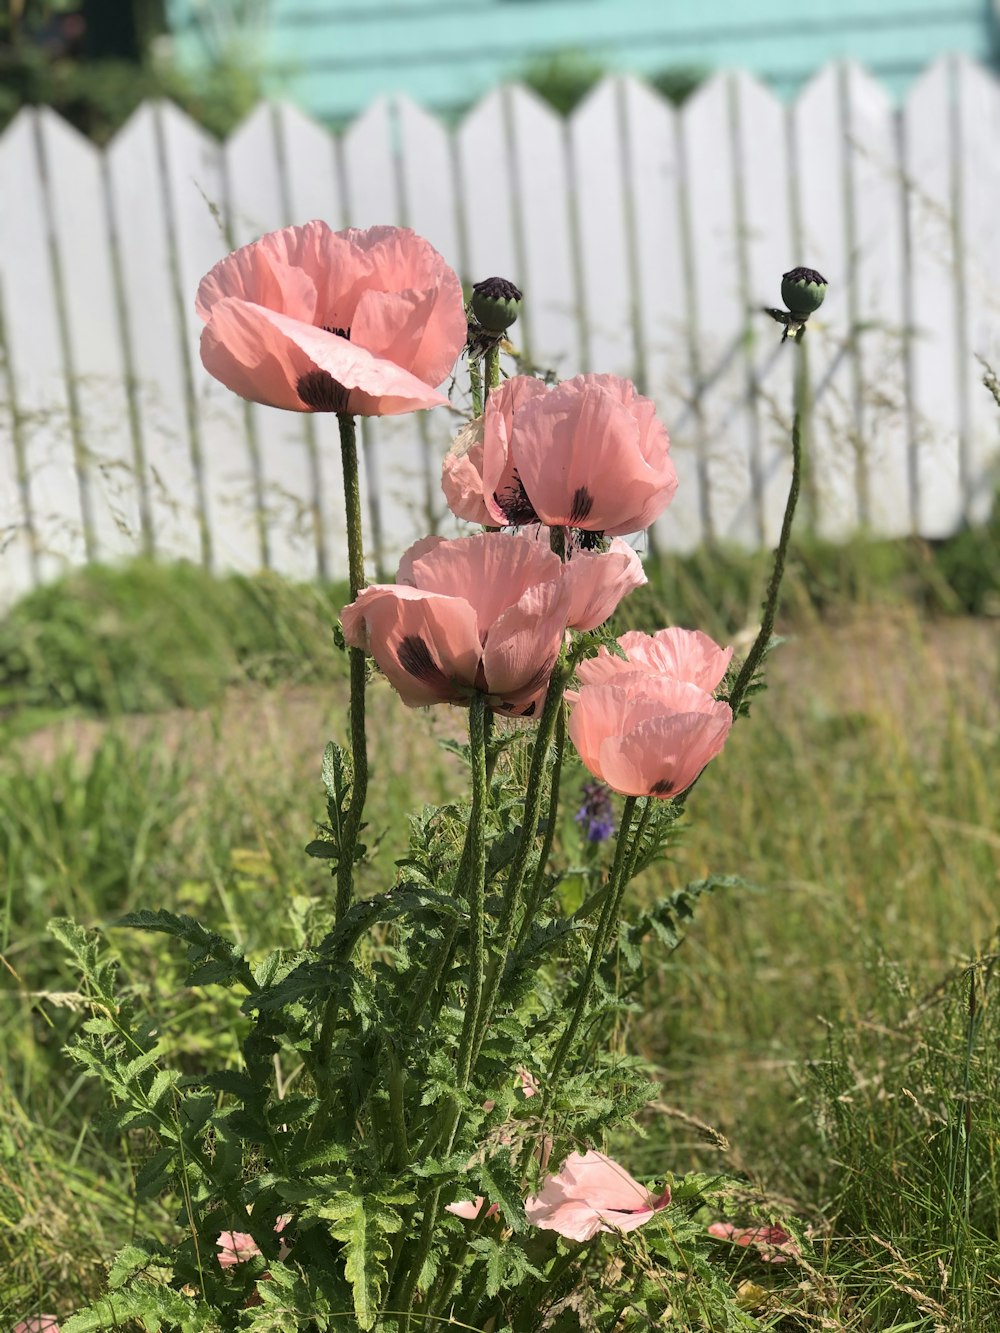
<point x="496" y="304"/>
<point x="802" y="290"/>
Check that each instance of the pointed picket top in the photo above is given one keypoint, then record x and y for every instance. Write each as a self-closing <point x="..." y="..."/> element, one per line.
<point x="766" y="250"/>
<point x="311" y="158"/>
<point x="875" y="198"/>
<point x="33" y="330"/>
<point x="87" y="299"/>
<point x="820" y="174"/>
<point x="935" y="353"/>
<point x="663" y="360"/>
<point x="720" y="314"/>
<point x="606" y="261"/>
<point x="978" y="112"/>
<point x="427" y="178"/>
<point x="548" y="331"/>
<point x="487" y="186"/>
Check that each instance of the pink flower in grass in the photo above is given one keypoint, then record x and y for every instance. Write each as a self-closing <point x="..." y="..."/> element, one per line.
<point x="312" y="320"/>
<point x="587" y="454"/>
<point x="39" y="1323"/>
<point x="681" y="654"/>
<point x="647" y="735"/>
<point x="592" y="1193"/>
<point x="483" y="613"/>
<point x="471" y="1208"/>
<point x="236" y="1247"/>
<point x="773" y="1244"/>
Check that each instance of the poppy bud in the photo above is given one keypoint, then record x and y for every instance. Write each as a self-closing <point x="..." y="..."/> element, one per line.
<point x="496" y="304"/>
<point x="803" y="290"/>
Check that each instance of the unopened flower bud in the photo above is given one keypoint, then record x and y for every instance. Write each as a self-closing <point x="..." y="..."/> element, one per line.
<point x="803" y="290"/>
<point x="496" y="304"/>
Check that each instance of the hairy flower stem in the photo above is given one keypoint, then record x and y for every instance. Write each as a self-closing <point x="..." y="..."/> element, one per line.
<point x="476" y="385"/>
<point x="799" y="428"/>
<point x="538" y="885"/>
<point x="626" y="853"/>
<point x="492" y="367"/>
<point x="359" y="748"/>
<point x="472" y="886"/>
<point x="529" y="828"/>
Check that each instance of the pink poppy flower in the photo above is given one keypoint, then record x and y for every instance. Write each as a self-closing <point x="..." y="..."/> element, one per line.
<point x="39" y="1323"/>
<point x="681" y="654"/>
<point x="312" y="320"/>
<point x="592" y="1193"/>
<point x="587" y="454"/>
<point x="647" y="735"/>
<point x="482" y="613"/>
<point x="471" y="1208"/>
<point x="236" y="1247"/>
<point x="774" y="1244"/>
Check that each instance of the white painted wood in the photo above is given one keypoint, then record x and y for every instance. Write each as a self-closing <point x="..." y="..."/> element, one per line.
<point x="607" y="303"/>
<point x="766" y="239"/>
<point x="979" y="208"/>
<point x="16" y="573"/>
<point x="664" y="368"/>
<point x="879" y="304"/>
<point x="196" y="199"/>
<point x="429" y="205"/>
<point x="96" y="366"/>
<point x="287" y="480"/>
<point x="935" y="369"/>
<point x="819" y="175"/>
<point x="394" y="472"/>
<point x="34" y="347"/>
<point x="156" y="339"/>
<point x="311" y="180"/>
<point x="721" y="313"/>
<point x="487" y="188"/>
<point x="549" y="329"/>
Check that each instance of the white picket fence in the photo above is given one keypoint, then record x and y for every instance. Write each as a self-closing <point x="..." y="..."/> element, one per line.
<point x="646" y="240"/>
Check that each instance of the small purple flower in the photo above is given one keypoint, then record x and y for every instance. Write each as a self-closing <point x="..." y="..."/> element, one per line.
<point x="597" y="811"/>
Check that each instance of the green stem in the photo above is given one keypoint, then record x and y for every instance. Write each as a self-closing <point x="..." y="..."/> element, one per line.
<point x="529" y="828"/>
<point x="492" y="366"/>
<point x="472" y="885"/>
<point x="760" y="643"/>
<point x="626" y="852"/>
<point x="476" y="385"/>
<point x="356" y="657"/>
<point x="537" y="887"/>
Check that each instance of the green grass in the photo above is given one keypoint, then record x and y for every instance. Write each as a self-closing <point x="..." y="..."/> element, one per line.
<point x="820" y="1023"/>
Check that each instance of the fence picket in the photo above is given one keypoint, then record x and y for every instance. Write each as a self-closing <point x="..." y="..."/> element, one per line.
<point x="934" y="349"/>
<point x="32" y="329"/>
<point x="154" y="336"/>
<point x="819" y="172"/>
<point x="663" y="369"/>
<point x="720" y="313"/>
<point x="95" y="365"/>
<point x="192" y="163"/>
<point x="879" y="311"/>
<point x="979" y="208"/>
<point x="605" y="274"/>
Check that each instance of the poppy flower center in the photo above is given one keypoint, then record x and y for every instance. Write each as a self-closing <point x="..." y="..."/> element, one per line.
<point x="341" y="333"/>
<point x="321" y="392"/>
<point x="514" y="502"/>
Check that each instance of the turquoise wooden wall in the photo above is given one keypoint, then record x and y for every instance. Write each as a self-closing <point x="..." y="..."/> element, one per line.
<point x="333" y="57"/>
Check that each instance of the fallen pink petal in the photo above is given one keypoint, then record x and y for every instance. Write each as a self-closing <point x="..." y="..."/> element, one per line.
<point x="39" y="1323"/>
<point x="471" y="1208"/>
<point x="773" y="1244"/>
<point x="592" y="1193"/>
